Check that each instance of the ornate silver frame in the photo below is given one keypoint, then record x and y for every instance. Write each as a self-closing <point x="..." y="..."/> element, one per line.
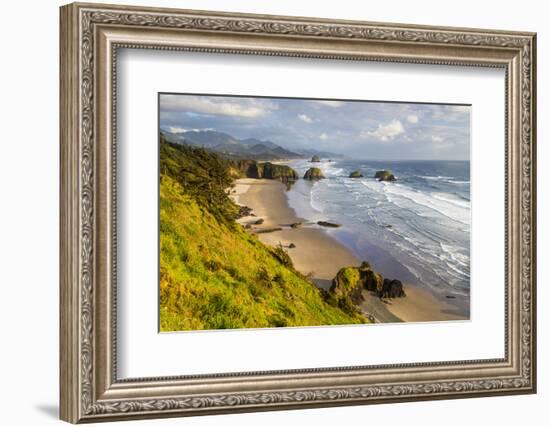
<point x="90" y="36"/>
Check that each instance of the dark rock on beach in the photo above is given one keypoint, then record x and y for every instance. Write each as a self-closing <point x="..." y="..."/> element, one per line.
<point x="296" y="225"/>
<point x="350" y="281"/>
<point x="356" y="174"/>
<point x="385" y="175"/>
<point x="392" y="289"/>
<point x="371" y="280"/>
<point x="254" y="170"/>
<point x="328" y="224"/>
<point x="244" y="211"/>
<point x="314" y="174"/>
<point x="268" y="230"/>
<point x="259" y="221"/>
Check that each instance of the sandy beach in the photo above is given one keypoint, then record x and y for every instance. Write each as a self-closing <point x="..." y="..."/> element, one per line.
<point x="315" y="253"/>
<point x="320" y="256"/>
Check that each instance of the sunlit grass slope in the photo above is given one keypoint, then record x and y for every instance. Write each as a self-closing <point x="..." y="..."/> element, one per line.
<point x="214" y="275"/>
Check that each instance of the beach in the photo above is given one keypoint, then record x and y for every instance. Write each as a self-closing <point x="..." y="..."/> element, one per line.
<point x="315" y="251"/>
<point x="319" y="256"/>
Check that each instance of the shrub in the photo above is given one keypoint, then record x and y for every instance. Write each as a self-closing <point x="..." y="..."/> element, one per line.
<point x="282" y="256"/>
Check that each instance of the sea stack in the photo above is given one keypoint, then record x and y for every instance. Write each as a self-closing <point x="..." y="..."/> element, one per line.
<point x="349" y="281"/>
<point x="281" y="172"/>
<point x="313" y="174"/>
<point x="392" y="289"/>
<point x="384" y="175"/>
<point x="270" y="170"/>
<point x="315" y="159"/>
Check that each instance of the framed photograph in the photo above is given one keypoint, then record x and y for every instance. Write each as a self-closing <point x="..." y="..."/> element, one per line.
<point x="266" y="212"/>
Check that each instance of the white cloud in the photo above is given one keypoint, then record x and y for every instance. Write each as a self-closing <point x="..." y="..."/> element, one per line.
<point x="385" y="132"/>
<point x="451" y="113"/>
<point x="175" y="129"/>
<point x="461" y="108"/>
<point x="436" y="138"/>
<point x="249" y="108"/>
<point x="412" y="118"/>
<point x="323" y="136"/>
<point x="333" y="104"/>
<point x="305" y="118"/>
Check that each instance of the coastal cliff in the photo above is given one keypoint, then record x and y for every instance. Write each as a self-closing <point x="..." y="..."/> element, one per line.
<point x="263" y="170"/>
<point x="213" y="273"/>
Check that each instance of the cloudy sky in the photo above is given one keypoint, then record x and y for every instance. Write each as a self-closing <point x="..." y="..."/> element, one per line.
<point x="367" y="130"/>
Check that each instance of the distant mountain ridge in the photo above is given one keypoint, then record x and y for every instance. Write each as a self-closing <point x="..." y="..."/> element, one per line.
<point x="224" y="143"/>
<point x="322" y="154"/>
<point x="249" y="148"/>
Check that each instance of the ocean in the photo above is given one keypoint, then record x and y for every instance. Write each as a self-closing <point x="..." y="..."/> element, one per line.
<point x="416" y="229"/>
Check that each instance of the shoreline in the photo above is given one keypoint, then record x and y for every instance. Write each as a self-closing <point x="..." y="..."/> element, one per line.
<point x="320" y="256"/>
<point x="268" y="201"/>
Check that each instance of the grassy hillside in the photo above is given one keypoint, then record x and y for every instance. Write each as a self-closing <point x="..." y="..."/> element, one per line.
<point x="214" y="275"/>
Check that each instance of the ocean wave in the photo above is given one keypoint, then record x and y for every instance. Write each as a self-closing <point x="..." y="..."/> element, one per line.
<point x="333" y="172"/>
<point x="463" y="203"/>
<point x="436" y="178"/>
<point x="422" y="220"/>
<point x="437" y="181"/>
<point x="456" y="254"/>
<point x="450" y="273"/>
<point x="317" y="203"/>
<point x="445" y="207"/>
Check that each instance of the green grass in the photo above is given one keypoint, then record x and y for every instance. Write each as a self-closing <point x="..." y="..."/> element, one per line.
<point x="214" y="275"/>
<point x="348" y="278"/>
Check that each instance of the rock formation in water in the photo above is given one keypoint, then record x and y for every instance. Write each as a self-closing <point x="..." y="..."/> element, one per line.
<point x="384" y="175"/>
<point x="314" y="174"/>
